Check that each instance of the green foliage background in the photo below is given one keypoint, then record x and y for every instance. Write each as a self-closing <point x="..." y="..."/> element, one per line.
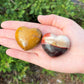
<point x="28" y="10"/>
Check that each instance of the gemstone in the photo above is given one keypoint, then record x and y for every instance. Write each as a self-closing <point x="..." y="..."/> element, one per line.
<point x="55" y="45"/>
<point x="27" y="38"/>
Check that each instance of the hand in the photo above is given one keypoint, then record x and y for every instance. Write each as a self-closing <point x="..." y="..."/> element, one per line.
<point x="70" y="62"/>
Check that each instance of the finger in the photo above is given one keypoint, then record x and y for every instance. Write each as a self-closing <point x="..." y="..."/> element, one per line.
<point x="43" y="28"/>
<point x="25" y="56"/>
<point x="7" y="33"/>
<point x="55" y="20"/>
<point x="16" y="24"/>
<point x="10" y="43"/>
<point x="29" y="57"/>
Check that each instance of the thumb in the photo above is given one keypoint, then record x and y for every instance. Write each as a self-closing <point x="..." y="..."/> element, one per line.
<point x="55" y="20"/>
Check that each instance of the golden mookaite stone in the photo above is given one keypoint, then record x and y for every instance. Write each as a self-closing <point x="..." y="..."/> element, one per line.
<point x="27" y="38"/>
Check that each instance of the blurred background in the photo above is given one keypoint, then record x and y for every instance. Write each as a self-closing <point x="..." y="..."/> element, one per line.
<point x="14" y="71"/>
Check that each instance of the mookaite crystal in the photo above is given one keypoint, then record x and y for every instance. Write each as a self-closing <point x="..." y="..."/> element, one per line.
<point x="27" y="38"/>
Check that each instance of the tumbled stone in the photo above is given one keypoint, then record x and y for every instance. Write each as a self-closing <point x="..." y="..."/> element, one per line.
<point x="27" y="38"/>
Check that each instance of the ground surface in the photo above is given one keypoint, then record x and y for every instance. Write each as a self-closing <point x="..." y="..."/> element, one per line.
<point x="35" y="76"/>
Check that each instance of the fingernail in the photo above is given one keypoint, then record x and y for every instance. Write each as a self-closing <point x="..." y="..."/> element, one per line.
<point x="8" y="52"/>
<point x="3" y="24"/>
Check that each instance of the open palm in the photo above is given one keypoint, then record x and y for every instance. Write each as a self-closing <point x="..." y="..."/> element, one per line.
<point x="70" y="62"/>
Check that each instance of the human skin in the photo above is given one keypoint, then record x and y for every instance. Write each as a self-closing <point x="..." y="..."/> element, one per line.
<point x="70" y="62"/>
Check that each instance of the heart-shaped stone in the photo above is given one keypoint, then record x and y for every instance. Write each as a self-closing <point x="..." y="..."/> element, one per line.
<point x="55" y="45"/>
<point x="27" y="38"/>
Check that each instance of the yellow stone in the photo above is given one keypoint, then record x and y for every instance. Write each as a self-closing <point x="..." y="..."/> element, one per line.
<point x="27" y="38"/>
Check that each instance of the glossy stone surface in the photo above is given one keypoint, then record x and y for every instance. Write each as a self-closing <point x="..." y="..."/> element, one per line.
<point x="27" y="38"/>
<point x="55" y="45"/>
